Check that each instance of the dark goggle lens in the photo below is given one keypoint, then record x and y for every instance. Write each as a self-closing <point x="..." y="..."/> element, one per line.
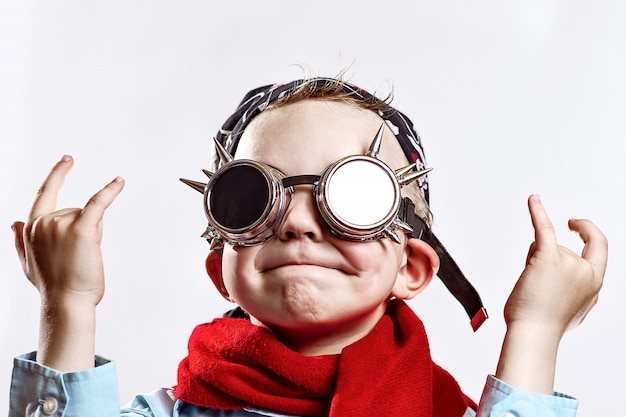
<point x="239" y="197"/>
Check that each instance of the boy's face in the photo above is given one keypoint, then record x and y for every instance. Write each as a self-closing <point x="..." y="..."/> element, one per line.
<point x="305" y="278"/>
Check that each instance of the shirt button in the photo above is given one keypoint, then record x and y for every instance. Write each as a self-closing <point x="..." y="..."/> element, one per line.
<point x="49" y="406"/>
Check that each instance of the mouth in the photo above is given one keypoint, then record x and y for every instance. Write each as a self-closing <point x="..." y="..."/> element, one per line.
<point x="295" y="264"/>
<point x="300" y="257"/>
<point x="297" y="259"/>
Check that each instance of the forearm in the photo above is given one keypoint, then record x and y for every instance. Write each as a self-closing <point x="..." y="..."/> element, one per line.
<point x="67" y="335"/>
<point x="528" y="358"/>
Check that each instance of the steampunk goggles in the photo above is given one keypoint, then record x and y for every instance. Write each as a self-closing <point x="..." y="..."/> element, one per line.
<point x="358" y="197"/>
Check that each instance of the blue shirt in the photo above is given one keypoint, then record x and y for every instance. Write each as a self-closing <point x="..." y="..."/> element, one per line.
<point x="38" y="391"/>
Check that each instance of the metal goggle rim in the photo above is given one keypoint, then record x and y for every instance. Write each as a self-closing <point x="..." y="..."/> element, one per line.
<point x="277" y="189"/>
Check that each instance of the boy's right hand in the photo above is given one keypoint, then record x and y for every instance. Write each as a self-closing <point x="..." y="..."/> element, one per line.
<point x="60" y="254"/>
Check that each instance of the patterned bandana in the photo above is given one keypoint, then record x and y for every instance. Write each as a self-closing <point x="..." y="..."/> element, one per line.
<point x="260" y="98"/>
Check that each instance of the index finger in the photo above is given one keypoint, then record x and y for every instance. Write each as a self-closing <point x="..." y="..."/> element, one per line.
<point x="46" y="200"/>
<point x="545" y="237"/>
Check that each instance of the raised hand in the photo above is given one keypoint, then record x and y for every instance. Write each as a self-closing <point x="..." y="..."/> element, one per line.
<point x="558" y="287"/>
<point x="60" y="254"/>
<point x="554" y="293"/>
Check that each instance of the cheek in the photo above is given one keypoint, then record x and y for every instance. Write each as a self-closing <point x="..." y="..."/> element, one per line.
<point x="381" y="256"/>
<point x="237" y="263"/>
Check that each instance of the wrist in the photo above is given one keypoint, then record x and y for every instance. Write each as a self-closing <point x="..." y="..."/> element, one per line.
<point x="542" y="332"/>
<point x="67" y="334"/>
<point x="529" y="353"/>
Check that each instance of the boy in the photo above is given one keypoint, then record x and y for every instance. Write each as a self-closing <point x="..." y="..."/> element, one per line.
<point x="320" y="328"/>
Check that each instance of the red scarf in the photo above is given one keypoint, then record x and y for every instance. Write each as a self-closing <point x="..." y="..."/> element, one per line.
<point x="233" y="364"/>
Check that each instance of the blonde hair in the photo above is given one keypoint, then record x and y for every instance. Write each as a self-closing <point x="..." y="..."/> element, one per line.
<point x="332" y="90"/>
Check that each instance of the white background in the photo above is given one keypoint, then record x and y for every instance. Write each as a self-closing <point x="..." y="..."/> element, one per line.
<point x="511" y="98"/>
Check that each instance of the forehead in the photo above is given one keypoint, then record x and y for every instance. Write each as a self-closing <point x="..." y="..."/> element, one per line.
<point x="307" y="136"/>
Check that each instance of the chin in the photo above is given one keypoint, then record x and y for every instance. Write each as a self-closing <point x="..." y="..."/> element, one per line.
<point x="296" y="317"/>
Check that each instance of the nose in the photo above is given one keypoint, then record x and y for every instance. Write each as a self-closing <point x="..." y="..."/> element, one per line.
<point x="302" y="219"/>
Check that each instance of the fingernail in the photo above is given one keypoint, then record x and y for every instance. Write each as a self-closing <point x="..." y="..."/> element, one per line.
<point x="117" y="179"/>
<point x="66" y="158"/>
<point x="13" y="228"/>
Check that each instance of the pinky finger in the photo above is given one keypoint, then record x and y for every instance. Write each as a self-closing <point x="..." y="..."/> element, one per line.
<point x="18" y="231"/>
<point x="94" y="210"/>
<point x="596" y="245"/>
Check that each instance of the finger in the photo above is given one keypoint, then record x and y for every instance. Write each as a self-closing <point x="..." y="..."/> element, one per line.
<point x="18" y="231"/>
<point x="545" y="237"/>
<point x="94" y="209"/>
<point x="596" y="245"/>
<point x="46" y="200"/>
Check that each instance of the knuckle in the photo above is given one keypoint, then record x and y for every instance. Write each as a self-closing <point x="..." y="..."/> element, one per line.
<point x="50" y="226"/>
<point x="598" y="282"/>
<point x="96" y="200"/>
<point x="602" y="240"/>
<point x="43" y="188"/>
<point x="35" y="227"/>
<point x="589" y="279"/>
<point x="41" y="229"/>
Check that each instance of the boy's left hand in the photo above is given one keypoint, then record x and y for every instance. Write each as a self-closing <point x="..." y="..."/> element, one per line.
<point x="554" y="293"/>
<point x="557" y="287"/>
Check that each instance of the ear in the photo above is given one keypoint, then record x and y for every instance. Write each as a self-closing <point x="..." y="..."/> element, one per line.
<point x="420" y="266"/>
<point x="213" y="265"/>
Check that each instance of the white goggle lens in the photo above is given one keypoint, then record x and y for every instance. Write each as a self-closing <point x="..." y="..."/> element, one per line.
<point x="361" y="193"/>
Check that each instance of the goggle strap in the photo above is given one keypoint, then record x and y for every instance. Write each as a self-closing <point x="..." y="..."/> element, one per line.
<point x="449" y="272"/>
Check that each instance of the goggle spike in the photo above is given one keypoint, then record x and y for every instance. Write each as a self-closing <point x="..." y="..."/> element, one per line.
<point x="196" y="185"/>
<point x="216" y="243"/>
<point x="378" y="140"/>
<point x="391" y="234"/>
<point x="401" y="171"/>
<point x="208" y="233"/>
<point x="409" y="178"/>
<point x="225" y="157"/>
<point x="405" y="227"/>
<point x="213" y="237"/>
<point x="208" y="173"/>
